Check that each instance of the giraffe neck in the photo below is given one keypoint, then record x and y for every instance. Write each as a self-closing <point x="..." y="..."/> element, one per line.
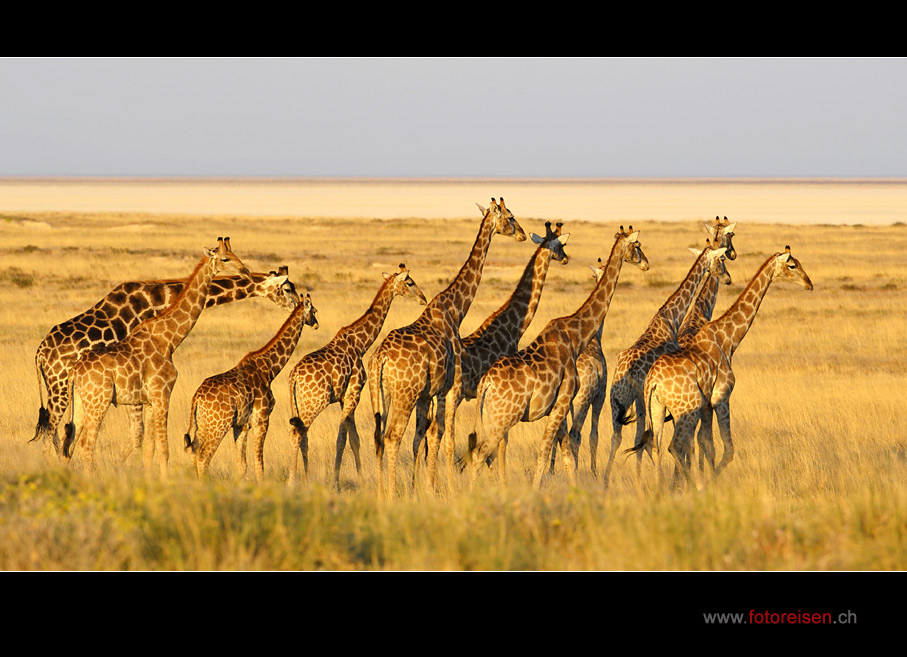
<point x="173" y="325"/>
<point x="227" y="289"/>
<point x="510" y="321"/>
<point x="361" y="334"/>
<point x="587" y="321"/>
<point x="701" y="311"/>
<point x="458" y="296"/>
<point x="273" y="357"/>
<point x="731" y="327"/>
<point x="670" y="315"/>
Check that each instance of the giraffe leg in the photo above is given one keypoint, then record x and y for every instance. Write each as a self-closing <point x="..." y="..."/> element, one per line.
<point x="684" y="426"/>
<point x="434" y="436"/>
<point x="704" y="438"/>
<point x="569" y="456"/>
<point x="136" y="414"/>
<point x="422" y="424"/>
<point x="641" y="429"/>
<point x="501" y="464"/>
<point x="259" y="433"/>
<point x="598" y="401"/>
<point x="556" y="418"/>
<point x="354" y="445"/>
<point x="656" y="411"/>
<point x="620" y="403"/>
<point x="493" y="438"/>
<point x="342" y="432"/>
<point x="723" y="415"/>
<point x="240" y="436"/>
<point x="159" y="413"/>
<point x="453" y="402"/>
<point x="207" y="439"/>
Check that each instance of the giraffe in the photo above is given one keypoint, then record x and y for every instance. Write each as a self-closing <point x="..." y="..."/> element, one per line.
<point x="421" y="362"/>
<point x="540" y="380"/>
<point x="691" y="382"/>
<point x="699" y="314"/>
<point x="138" y="370"/>
<point x="660" y="336"/>
<point x="500" y="333"/>
<point x="241" y="398"/>
<point x="119" y="312"/>
<point x="592" y="386"/>
<point x="335" y="373"/>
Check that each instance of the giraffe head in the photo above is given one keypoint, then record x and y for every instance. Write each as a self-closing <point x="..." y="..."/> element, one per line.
<point x="225" y="260"/>
<point x="632" y="248"/>
<point x="553" y="241"/>
<point x="716" y="258"/>
<point x="788" y="268"/>
<point x="721" y="233"/>
<point x="278" y="288"/>
<point x="310" y="310"/>
<point x="404" y="286"/>
<point x="505" y="222"/>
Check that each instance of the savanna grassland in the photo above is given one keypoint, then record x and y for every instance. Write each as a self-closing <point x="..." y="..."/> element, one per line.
<point x="817" y="482"/>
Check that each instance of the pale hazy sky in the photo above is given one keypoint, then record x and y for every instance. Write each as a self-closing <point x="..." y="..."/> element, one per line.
<point x="454" y="117"/>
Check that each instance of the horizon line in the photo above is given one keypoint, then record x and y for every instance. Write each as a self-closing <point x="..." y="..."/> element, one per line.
<point x="5" y="178"/>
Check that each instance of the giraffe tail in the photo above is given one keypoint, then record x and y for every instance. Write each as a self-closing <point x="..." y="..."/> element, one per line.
<point x="380" y="402"/>
<point x="43" y="428"/>
<point x="69" y="431"/>
<point x="649" y="433"/>
<point x="189" y="443"/>
<point x="625" y="415"/>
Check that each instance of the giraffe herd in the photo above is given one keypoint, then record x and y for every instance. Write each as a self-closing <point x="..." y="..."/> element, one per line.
<point x="119" y="352"/>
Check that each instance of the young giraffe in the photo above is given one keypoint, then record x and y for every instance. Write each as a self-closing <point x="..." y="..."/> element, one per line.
<point x="540" y="380"/>
<point x="698" y="378"/>
<point x="138" y="370"/>
<point x="113" y="317"/>
<point x="241" y="398"/>
<point x="500" y="333"/>
<point x="660" y="337"/>
<point x="335" y="373"/>
<point x="421" y="362"/>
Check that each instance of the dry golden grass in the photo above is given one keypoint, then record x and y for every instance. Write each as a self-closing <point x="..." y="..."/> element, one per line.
<point x="817" y="481"/>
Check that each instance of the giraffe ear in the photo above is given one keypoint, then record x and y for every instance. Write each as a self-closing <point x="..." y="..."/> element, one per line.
<point x="594" y="270"/>
<point x="729" y="228"/>
<point x="634" y="236"/>
<point x="210" y="253"/>
<point x="717" y="253"/>
<point x="563" y="238"/>
<point x="386" y="275"/>
<point x="695" y="252"/>
<point x="709" y="228"/>
<point x="535" y="238"/>
<point x="784" y="257"/>
<point x="481" y="209"/>
<point x="280" y="280"/>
